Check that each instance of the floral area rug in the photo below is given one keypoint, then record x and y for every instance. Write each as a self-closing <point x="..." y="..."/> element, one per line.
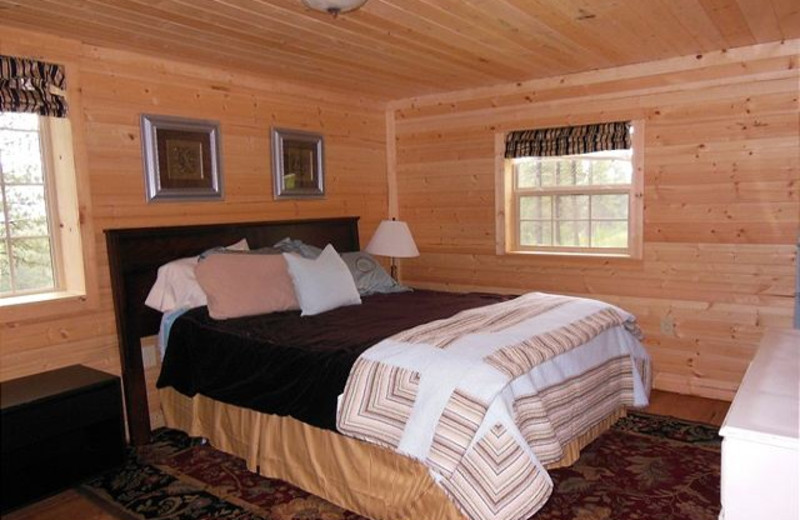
<point x="645" y="467"/>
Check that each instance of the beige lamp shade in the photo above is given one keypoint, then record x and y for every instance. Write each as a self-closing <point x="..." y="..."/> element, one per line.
<point x="393" y="238"/>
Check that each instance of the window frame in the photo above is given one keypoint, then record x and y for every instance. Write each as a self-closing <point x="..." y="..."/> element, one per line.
<point x="68" y="243"/>
<point x="73" y="221"/>
<point x="508" y="225"/>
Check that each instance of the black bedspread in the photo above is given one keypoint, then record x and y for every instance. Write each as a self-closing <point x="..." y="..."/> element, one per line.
<point x="285" y="364"/>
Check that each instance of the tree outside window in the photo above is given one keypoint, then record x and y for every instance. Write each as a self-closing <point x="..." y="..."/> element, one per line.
<point x="26" y="240"/>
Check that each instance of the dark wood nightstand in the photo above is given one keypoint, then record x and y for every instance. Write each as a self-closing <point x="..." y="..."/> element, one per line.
<point x="58" y="428"/>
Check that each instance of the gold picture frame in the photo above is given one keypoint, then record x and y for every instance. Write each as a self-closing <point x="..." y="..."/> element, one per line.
<point x="181" y="158"/>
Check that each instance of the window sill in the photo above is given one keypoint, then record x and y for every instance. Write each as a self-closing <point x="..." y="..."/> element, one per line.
<point x="33" y="306"/>
<point x="569" y="253"/>
<point x="576" y="255"/>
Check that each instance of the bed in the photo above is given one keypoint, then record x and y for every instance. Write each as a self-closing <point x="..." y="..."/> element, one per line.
<point x="301" y="445"/>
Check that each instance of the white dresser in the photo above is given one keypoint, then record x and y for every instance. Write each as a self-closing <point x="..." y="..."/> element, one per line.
<point x="760" y="461"/>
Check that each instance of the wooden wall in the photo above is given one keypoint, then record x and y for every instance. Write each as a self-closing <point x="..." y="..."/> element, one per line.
<point x="721" y="200"/>
<point x="721" y="188"/>
<point x="109" y="90"/>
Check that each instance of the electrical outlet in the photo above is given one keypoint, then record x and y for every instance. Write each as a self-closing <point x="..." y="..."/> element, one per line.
<point x="149" y="358"/>
<point x="668" y="325"/>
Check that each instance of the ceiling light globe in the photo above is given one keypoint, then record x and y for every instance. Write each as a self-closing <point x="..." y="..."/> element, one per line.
<point x="334" y="6"/>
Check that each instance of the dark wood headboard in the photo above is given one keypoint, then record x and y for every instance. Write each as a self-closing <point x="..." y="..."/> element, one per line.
<point x="134" y="257"/>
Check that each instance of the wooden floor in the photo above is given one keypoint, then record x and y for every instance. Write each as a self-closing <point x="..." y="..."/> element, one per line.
<point x="71" y="504"/>
<point x="709" y="411"/>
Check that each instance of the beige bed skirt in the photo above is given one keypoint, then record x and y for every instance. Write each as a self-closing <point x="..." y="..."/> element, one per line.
<point x="364" y="478"/>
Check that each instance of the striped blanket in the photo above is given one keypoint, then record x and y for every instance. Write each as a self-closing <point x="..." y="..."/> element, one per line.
<point x="487" y="398"/>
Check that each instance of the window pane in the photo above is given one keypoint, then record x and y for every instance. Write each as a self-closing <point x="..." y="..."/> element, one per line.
<point x="571" y="233"/>
<point x="20" y="157"/>
<point x="616" y="171"/>
<point x="584" y="170"/>
<point x="610" y="234"/>
<point x="526" y="174"/>
<point x="2" y="219"/>
<point x="535" y="234"/>
<point x="547" y="173"/>
<point x="570" y="173"/>
<point x="5" y="273"/>
<point x="27" y="211"/>
<point x="610" y="206"/>
<point x="535" y="173"/>
<point x="572" y="207"/>
<point x="564" y="175"/>
<point x="32" y="264"/>
<point x="535" y="208"/>
<point x="19" y="120"/>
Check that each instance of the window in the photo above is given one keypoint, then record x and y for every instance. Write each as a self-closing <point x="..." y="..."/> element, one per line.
<point x="575" y="203"/>
<point x="27" y="250"/>
<point x="42" y="240"/>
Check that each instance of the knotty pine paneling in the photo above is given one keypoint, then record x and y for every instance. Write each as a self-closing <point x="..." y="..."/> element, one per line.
<point x="115" y="87"/>
<point x="394" y="49"/>
<point x="721" y="215"/>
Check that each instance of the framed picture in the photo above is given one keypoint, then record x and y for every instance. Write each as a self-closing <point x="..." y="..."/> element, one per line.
<point x="297" y="164"/>
<point x="181" y="158"/>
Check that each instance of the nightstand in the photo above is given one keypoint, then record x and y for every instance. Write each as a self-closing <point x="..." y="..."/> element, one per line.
<point x="58" y="428"/>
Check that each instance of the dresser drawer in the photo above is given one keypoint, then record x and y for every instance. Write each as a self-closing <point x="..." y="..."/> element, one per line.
<point x="32" y="424"/>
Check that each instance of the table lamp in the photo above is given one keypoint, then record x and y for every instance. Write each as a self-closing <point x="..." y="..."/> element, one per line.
<point x="393" y="239"/>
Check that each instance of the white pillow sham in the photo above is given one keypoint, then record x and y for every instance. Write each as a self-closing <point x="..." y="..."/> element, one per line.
<point x="322" y="284"/>
<point x="176" y="286"/>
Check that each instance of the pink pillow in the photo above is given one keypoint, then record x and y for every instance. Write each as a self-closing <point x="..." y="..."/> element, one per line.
<point x="244" y="285"/>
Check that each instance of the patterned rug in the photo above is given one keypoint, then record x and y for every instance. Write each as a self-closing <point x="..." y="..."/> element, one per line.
<point x="645" y="467"/>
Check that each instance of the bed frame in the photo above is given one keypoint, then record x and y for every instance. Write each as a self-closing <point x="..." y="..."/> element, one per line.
<point x="134" y="257"/>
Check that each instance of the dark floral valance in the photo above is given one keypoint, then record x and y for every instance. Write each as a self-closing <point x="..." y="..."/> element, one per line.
<point x="32" y="86"/>
<point x="568" y="140"/>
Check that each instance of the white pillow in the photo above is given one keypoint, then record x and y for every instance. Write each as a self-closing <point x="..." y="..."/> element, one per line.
<point x="176" y="285"/>
<point x="323" y="283"/>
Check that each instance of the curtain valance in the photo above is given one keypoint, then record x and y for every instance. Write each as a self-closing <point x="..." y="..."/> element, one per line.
<point x="568" y="140"/>
<point x="32" y="86"/>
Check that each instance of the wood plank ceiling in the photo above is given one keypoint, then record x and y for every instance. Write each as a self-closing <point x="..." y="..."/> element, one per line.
<point x="392" y="49"/>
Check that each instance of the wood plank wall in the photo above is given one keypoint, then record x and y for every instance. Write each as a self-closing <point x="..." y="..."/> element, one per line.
<point x="110" y="90"/>
<point x="721" y="200"/>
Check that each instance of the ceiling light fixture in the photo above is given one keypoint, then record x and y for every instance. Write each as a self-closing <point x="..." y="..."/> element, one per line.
<point x="334" y="7"/>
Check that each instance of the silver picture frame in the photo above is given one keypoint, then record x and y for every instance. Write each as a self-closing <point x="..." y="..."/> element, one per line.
<point x="182" y="159"/>
<point x="298" y="164"/>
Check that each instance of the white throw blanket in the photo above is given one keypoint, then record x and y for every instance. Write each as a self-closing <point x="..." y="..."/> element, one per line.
<point x="487" y="397"/>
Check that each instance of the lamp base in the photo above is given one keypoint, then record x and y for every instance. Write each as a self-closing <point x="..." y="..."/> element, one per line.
<point x="393" y="270"/>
